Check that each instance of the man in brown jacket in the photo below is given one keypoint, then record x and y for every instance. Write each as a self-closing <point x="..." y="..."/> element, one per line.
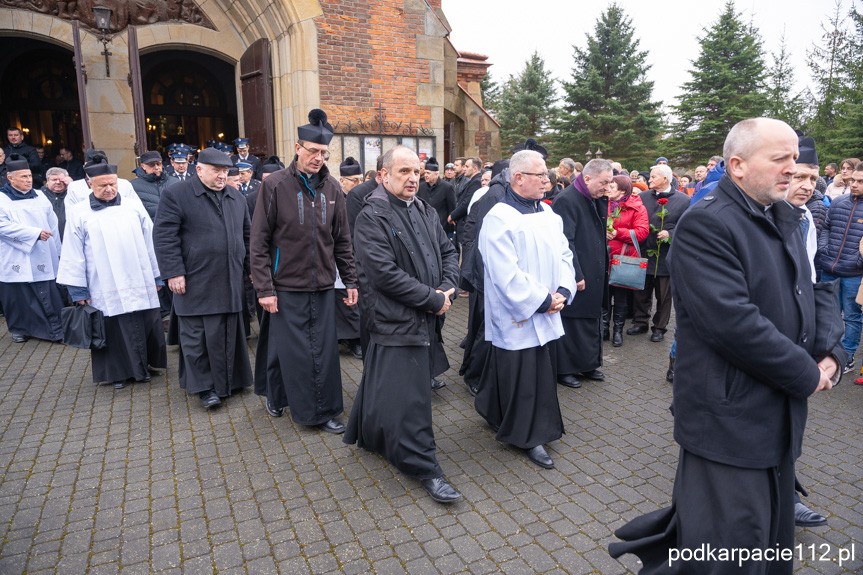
<point x="300" y="235"/>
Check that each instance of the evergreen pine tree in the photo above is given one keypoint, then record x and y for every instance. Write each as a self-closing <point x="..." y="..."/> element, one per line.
<point x="526" y="104"/>
<point x="490" y="92"/>
<point x="607" y="105"/>
<point x="726" y="87"/>
<point x="846" y="138"/>
<point x="825" y="62"/>
<point x="784" y="101"/>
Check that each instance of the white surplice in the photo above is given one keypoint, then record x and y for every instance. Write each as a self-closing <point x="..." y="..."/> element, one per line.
<point x="79" y="191"/>
<point x="110" y="252"/>
<point x="23" y="256"/>
<point x="526" y="257"/>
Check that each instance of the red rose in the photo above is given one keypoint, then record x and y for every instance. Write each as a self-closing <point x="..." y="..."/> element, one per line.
<point x="662" y="201"/>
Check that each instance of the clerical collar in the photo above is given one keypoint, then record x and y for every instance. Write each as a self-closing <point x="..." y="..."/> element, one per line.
<point x="96" y="204"/>
<point x="523" y="205"/>
<point x="660" y="192"/>
<point x="398" y="202"/>
<point x="16" y="194"/>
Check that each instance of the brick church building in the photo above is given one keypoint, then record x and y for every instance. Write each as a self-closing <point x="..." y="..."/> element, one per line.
<point x="127" y="76"/>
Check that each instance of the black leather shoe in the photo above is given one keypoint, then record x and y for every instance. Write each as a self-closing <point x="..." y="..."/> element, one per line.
<point x="805" y="517"/>
<point x="333" y="426"/>
<point x="569" y="380"/>
<point x="273" y="411"/>
<point x="657" y="336"/>
<point x="636" y="330"/>
<point x="437" y="384"/>
<point x="210" y="399"/>
<point x="356" y="350"/>
<point x="593" y="374"/>
<point x="19" y="338"/>
<point x="146" y="379"/>
<point x="473" y="389"/>
<point x="617" y="337"/>
<point x="119" y="384"/>
<point x="540" y="456"/>
<point x="440" y="490"/>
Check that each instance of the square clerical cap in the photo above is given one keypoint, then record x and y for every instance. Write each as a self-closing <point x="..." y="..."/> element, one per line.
<point x="241" y="142"/>
<point x="233" y="172"/>
<point x="432" y="165"/>
<point x="808" y="155"/>
<point x="99" y="166"/>
<point x="318" y="130"/>
<point x="16" y="162"/>
<point x="350" y="167"/>
<point x="214" y="157"/>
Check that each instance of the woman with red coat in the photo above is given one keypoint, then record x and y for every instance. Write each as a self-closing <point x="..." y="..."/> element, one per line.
<point x="628" y="213"/>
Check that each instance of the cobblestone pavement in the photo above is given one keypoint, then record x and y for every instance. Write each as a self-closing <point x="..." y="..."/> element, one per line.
<point x="143" y="480"/>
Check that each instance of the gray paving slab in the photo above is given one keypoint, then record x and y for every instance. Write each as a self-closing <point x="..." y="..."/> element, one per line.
<point x="142" y="480"/>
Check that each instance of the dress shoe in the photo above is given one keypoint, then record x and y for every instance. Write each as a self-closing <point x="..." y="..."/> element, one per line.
<point x="669" y="375"/>
<point x="437" y="384"/>
<point x="540" y="456"/>
<point x="657" y="336"/>
<point x="274" y="412"/>
<point x="119" y="384"/>
<point x="19" y="338"/>
<point x="617" y="337"/>
<point x="210" y="399"/>
<point x="146" y="379"/>
<point x="440" y="490"/>
<point x="593" y="374"/>
<point x="636" y="330"/>
<point x="805" y="517"/>
<point x="333" y="426"/>
<point x="569" y="380"/>
<point x="356" y="350"/>
<point x="473" y="389"/>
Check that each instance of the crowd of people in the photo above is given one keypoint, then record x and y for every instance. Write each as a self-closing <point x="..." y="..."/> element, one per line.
<point x="374" y="261"/>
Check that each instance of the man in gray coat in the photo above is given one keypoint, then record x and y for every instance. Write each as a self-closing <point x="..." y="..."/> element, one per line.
<point x="201" y="237"/>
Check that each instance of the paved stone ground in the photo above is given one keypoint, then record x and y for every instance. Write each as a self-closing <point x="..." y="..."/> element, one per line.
<point x="142" y="480"/>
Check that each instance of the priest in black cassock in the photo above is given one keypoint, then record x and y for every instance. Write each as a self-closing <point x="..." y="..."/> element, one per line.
<point x="408" y="271"/>
<point x="300" y="236"/>
<point x="584" y="210"/>
<point x="529" y="279"/>
<point x="201" y="237"/>
<point x="108" y="261"/>
<point x="348" y="316"/>
<point x="438" y="193"/>
<point x="29" y="257"/>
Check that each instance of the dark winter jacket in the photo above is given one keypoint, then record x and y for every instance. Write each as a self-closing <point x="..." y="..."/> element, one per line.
<point x="839" y="244"/>
<point x="459" y="214"/>
<point x="300" y="235"/>
<point x="204" y="237"/>
<point x="745" y="309"/>
<point x="441" y="197"/>
<point x="473" y="270"/>
<point x="584" y="225"/>
<point x="677" y="204"/>
<point x="395" y="305"/>
<point x="356" y="199"/>
<point x="149" y="188"/>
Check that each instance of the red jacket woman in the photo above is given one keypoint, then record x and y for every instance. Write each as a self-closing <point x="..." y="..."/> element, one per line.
<point x="631" y="215"/>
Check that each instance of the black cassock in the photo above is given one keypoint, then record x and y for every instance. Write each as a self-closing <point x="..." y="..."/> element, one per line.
<point x="391" y="414"/>
<point x="347" y="317"/>
<point x="302" y="334"/>
<point x="33" y="309"/>
<point x="134" y="341"/>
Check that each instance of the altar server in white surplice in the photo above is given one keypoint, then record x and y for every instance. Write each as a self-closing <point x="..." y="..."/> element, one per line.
<point x="108" y="261"/>
<point x="529" y="278"/>
<point x="29" y="250"/>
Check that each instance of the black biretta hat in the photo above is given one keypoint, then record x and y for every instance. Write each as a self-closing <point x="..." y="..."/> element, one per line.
<point x="99" y="166"/>
<point x="808" y="155"/>
<point x="318" y="130"/>
<point x="530" y="144"/>
<point x="350" y="167"/>
<point x="16" y="162"/>
<point x="432" y="165"/>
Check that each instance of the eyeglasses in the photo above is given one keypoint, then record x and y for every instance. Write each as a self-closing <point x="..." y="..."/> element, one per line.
<point x="540" y="175"/>
<point x="322" y="153"/>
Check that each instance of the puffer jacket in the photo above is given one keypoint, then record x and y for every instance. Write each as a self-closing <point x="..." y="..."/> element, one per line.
<point x="840" y="239"/>
<point x="633" y="216"/>
<point x="149" y="188"/>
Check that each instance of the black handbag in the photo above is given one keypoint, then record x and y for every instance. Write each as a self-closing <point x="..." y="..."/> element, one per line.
<point x="83" y="327"/>
<point x="829" y="327"/>
<point x="627" y="271"/>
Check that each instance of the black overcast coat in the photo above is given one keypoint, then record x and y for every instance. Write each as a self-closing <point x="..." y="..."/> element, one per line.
<point x="394" y="303"/>
<point x="678" y="202"/>
<point x="208" y="244"/>
<point x="746" y="328"/>
<point x="584" y="223"/>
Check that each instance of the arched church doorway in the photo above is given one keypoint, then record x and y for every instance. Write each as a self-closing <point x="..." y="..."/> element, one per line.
<point x="39" y="94"/>
<point x="189" y="97"/>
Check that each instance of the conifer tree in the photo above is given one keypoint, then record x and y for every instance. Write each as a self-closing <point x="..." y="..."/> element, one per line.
<point x="785" y="101"/>
<point x="490" y="92"/>
<point x="727" y="86"/>
<point x="526" y="104"/>
<point x="825" y="62"/>
<point x="607" y="103"/>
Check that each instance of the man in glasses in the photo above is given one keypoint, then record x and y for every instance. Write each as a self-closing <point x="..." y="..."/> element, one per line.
<point x="584" y="210"/>
<point x="300" y="237"/>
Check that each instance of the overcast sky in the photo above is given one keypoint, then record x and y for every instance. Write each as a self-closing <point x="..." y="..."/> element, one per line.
<point x="508" y="32"/>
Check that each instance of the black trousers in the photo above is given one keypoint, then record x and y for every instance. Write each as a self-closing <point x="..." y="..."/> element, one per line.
<point x="660" y="287"/>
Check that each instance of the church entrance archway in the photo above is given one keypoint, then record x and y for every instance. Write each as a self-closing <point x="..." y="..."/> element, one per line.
<point x="39" y="93"/>
<point x="189" y="97"/>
